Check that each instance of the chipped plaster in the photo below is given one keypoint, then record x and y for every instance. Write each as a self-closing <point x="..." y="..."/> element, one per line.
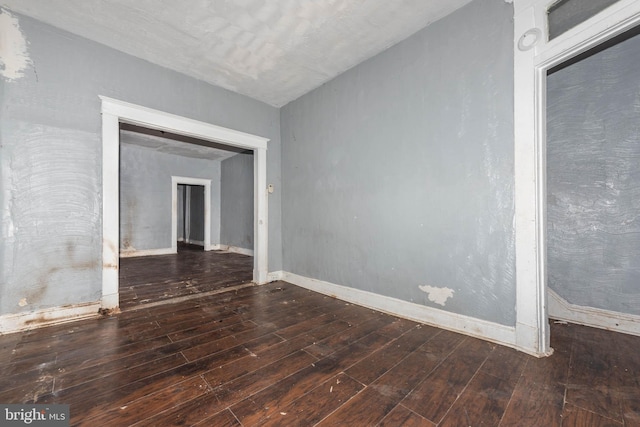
<point x="437" y="295"/>
<point x="14" y="56"/>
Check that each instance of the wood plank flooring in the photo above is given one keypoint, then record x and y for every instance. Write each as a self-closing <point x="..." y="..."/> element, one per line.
<point x="279" y="355"/>
<point x="192" y="271"/>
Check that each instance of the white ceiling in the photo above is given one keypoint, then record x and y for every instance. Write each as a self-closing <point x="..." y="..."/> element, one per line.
<point x="271" y="50"/>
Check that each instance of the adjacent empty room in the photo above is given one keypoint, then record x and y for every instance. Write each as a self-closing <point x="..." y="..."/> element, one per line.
<point x="330" y="212"/>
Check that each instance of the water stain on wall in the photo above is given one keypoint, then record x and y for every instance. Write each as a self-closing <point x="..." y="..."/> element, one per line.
<point x="38" y="293"/>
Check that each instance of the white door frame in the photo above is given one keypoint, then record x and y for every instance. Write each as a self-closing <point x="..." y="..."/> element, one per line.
<point x="206" y="183"/>
<point x="533" y="57"/>
<point x="115" y="112"/>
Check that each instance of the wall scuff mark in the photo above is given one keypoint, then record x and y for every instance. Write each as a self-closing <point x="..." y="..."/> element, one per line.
<point x="437" y="295"/>
<point x="14" y="58"/>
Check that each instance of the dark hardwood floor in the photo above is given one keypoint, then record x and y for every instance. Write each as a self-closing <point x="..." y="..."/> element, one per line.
<point x="281" y="355"/>
<point x="192" y="271"/>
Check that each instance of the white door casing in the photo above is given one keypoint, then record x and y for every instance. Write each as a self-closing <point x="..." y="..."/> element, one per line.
<point x="113" y="113"/>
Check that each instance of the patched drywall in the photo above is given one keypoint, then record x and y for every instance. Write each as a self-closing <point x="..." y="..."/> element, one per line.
<point x="437" y="295"/>
<point x="399" y="172"/>
<point x="236" y="216"/>
<point x="145" y="195"/>
<point x="14" y="54"/>
<point x="51" y="241"/>
<point x="593" y="180"/>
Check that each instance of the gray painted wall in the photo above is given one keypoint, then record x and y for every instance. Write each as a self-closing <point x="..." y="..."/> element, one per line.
<point x="399" y="173"/>
<point x="593" y="182"/>
<point x="236" y="198"/>
<point x="145" y="196"/>
<point x="196" y="210"/>
<point x="50" y="157"/>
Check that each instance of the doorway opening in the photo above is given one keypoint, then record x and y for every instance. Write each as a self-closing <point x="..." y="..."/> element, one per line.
<point x="592" y="181"/>
<point x="190" y="213"/>
<point x="114" y="113"/>
<point x="534" y="56"/>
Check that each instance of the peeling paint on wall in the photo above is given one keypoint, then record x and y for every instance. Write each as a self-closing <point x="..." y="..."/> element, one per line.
<point x="14" y="58"/>
<point x="437" y="295"/>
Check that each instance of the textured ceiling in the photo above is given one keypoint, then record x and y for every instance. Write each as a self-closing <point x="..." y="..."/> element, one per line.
<point x="270" y="50"/>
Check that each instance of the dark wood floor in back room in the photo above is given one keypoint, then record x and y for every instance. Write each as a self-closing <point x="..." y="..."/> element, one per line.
<point x="157" y="279"/>
<point x="281" y="355"/>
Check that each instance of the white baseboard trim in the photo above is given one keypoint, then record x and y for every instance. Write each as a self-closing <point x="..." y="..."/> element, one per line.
<point x="195" y="242"/>
<point x="145" y="252"/>
<point x="504" y="335"/>
<point x="234" y="249"/>
<point x="46" y="317"/>
<point x="274" y="276"/>
<point x="561" y="309"/>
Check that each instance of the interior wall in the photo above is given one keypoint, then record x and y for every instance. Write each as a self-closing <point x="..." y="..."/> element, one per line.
<point x="593" y="180"/>
<point x="398" y="175"/>
<point x="236" y="198"/>
<point x="50" y="157"/>
<point x="145" y="196"/>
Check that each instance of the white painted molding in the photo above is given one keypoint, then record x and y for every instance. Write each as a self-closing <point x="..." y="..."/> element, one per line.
<point x="260" y="221"/>
<point x="160" y="120"/>
<point x="145" y="252"/>
<point x="561" y="309"/>
<point x="110" y="210"/>
<point x="274" y="276"/>
<point x="489" y="331"/>
<point x="18" y="322"/>
<point x="235" y="249"/>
